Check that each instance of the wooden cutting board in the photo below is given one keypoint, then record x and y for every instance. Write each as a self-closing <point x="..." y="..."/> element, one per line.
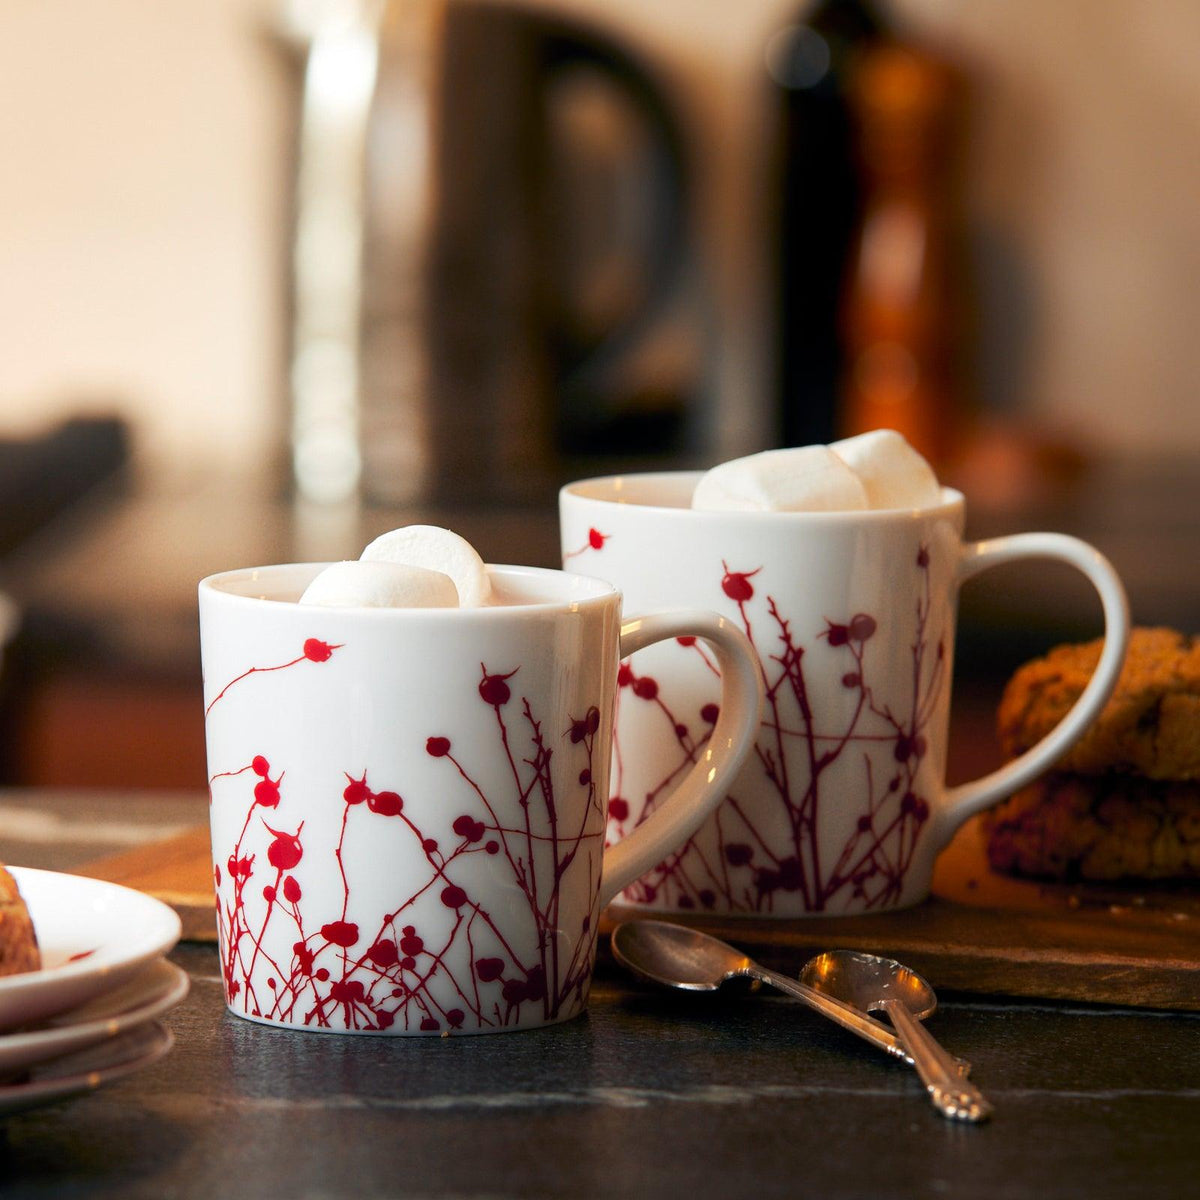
<point x="980" y="932"/>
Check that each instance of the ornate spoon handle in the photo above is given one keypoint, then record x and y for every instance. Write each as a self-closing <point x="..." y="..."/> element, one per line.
<point x="951" y="1094"/>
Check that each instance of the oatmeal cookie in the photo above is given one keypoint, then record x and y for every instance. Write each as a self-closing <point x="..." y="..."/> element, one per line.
<point x="1074" y="827"/>
<point x="18" y="942"/>
<point x="1149" y="727"/>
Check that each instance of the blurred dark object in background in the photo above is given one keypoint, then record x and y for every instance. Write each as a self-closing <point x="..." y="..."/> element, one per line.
<point x="557" y="254"/>
<point x="811" y="66"/>
<point x="41" y="476"/>
<point x="871" y="298"/>
<point x="620" y="246"/>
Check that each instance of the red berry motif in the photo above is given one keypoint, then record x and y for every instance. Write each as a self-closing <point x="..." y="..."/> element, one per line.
<point x="340" y="933"/>
<point x="838" y="635"/>
<point x="384" y="954"/>
<point x="736" y="584"/>
<point x="739" y="862"/>
<point x="862" y="627"/>
<point x="489" y="969"/>
<point x="314" y="651"/>
<point x="595" y="541"/>
<point x="285" y="852"/>
<point x="317" y="651"/>
<point x="266" y="793"/>
<point x="386" y="804"/>
<point x="356" y="790"/>
<point x="478" y="968"/>
<point x="494" y="690"/>
<point x="470" y="829"/>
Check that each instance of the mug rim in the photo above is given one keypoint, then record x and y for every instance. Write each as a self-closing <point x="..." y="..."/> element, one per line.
<point x="579" y="593"/>
<point x="581" y="490"/>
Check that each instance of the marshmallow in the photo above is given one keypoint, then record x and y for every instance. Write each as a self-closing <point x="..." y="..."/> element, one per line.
<point x="803" y="479"/>
<point x="359" y="584"/>
<point x="893" y="473"/>
<point x="437" y="550"/>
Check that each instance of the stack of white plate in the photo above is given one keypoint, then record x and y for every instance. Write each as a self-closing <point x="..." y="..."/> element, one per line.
<point x="90" y="1015"/>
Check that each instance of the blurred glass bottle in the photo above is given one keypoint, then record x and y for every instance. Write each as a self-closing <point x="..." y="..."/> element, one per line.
<point x="811" y="63"/>
<point x="903" y="305"/>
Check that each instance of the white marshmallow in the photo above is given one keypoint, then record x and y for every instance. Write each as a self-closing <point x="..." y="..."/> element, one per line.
<point x="893" y="473"/>
<point x="358" y="584"/>
<point x="802" y="479"/>
<point x="437" y="550"/>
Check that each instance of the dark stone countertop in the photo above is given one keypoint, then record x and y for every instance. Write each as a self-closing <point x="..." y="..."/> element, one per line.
<point x="649" y="1094"/>
<point x="652" y="1093"/>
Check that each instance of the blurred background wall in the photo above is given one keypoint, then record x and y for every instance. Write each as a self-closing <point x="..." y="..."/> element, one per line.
<point x="144" y="151"/>
<point x="146" y="155"/>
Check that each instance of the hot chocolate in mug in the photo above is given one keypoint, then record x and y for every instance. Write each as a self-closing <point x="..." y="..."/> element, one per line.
<point x="842" y="806"/>
<point x="408" y="805"/>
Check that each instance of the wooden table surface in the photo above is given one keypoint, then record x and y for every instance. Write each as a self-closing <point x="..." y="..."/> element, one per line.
<point x="651" y="1093"/>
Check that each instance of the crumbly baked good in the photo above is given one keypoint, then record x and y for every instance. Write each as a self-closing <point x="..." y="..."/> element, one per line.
<point x="1151" y="725"/>
<point x="1124" y="803"/>
<point x="1107" y="827"/>
<point x="18" y="941"/>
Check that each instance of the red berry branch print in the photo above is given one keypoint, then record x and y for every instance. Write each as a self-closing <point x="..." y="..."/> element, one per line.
<point x="595" y="541"/>
<point x="747" y="865"/>
<point x="314" y="650"/>
<point x="440" y="955"/>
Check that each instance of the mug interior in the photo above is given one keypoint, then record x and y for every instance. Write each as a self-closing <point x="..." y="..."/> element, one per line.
<point x="512" y="587"/>
<point x="673" y="490"/>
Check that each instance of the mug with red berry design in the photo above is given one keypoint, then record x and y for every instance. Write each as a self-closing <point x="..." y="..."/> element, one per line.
<point x="408" y="805"/>
<point x="842" y="806"/>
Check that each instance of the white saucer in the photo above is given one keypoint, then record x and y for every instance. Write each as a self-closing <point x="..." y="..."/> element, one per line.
<point x="89" y="1069"/>
<point x="93" y="935"/>
<point x="149" y="994"/>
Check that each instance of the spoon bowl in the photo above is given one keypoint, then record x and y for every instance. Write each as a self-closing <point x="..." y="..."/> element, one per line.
<point x="677" y="956"/>
<point x="874" y="984"/>
<point x="866" y="981"/>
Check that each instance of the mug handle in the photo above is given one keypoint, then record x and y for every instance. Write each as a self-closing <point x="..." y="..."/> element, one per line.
<point x="968" y="799"/>
<point x="732" y="738"/>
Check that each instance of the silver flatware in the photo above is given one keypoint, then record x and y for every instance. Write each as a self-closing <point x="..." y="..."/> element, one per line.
<point x="679" y="957"/>
<point x="873" y="984"/>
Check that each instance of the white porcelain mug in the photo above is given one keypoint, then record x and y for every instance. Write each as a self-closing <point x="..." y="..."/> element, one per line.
<point x="407" y="805"/>
<point x="842" y="807"/>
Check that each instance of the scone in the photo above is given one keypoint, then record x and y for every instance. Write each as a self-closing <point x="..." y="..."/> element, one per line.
<point x="1124" y="803"/>
<point x="18" y="942"/>
<point x="1103" y="828"/>
<point x="1150" y="725"/>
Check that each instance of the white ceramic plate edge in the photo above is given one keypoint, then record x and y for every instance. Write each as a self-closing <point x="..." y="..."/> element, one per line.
<point x="35" y="995"/>
<point x="154" y="1042"/>
<point x="26" y="1048"/>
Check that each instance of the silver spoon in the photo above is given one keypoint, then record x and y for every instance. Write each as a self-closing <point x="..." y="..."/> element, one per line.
<point x="686" y="958"/>
<point x="873" y="984"/>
